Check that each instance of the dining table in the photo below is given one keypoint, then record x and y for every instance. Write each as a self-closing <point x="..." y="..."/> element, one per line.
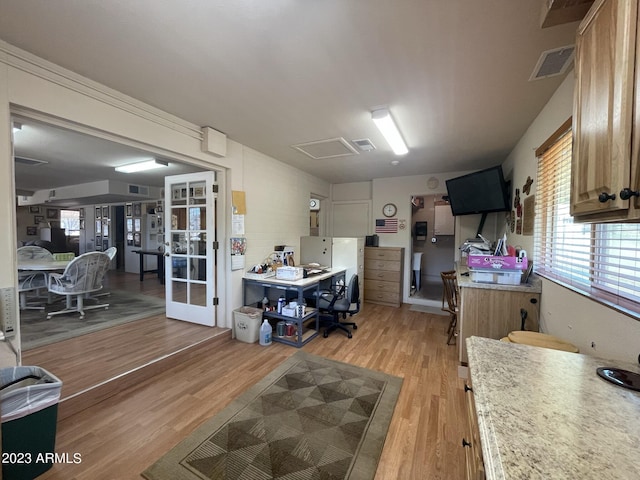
<point x="38" y="265"/>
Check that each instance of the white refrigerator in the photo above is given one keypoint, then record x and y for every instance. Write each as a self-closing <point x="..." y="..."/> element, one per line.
<point x="335" y="252"/>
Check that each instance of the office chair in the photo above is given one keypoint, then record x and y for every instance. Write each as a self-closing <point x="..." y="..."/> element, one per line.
<point x="333" y="305"/>
<point x="450" y="294"/>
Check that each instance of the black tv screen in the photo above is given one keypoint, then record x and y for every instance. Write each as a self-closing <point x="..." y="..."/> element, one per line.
<point x="479" y="192"/>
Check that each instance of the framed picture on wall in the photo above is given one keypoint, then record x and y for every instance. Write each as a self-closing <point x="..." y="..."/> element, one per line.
<point x="32" y="230"/>
<point x="81" y="212"/>
<point x="129" y="210"/>
<point x="98" y="212"/>
<point x="53" y="213"/>
<point x="130" y="239"/>
<point x="82" y="224"/>
<point x="37" y="219"/>
<point x="136" y="239"/>
<point x="137" y="209"/>
<point x="130" y="225"/>
<point x="105" y="212"/>
<point x="136" y="225"/>
<point x="34" y="209"/>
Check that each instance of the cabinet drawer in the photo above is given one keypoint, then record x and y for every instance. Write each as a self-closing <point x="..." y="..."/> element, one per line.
<point x="388" y="265"/>
<point x="381" y="296"/>
<point x="382" y="275"/>
<point x="473" y="452"/>
<point x="381" y="286"/>
<point x="377" y="253"/>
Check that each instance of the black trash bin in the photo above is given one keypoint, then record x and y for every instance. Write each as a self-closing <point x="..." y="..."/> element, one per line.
<point x="29" y="398"/>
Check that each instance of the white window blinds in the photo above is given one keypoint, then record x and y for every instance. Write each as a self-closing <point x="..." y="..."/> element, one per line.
<point x="600" y="260"/>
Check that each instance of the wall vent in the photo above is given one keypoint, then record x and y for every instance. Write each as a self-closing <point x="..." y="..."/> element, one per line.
<point x="138" y="190"/>
<point x="330" y="148"/>
<point x="553" y="62"/>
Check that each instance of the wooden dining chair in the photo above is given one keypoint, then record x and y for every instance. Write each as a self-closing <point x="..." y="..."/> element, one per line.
<point x="450" y="301"/>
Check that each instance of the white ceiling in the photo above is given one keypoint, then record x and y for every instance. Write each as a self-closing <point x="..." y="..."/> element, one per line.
<point x="274" y="73"/>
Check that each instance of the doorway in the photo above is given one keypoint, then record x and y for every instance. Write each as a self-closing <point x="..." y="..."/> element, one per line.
<point x="432" y="247"/>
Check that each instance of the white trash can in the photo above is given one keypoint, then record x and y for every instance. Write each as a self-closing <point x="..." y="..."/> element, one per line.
<point x="246" y="324"/>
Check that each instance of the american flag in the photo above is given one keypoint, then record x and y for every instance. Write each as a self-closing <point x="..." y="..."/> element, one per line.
<point x="386" y="225"/>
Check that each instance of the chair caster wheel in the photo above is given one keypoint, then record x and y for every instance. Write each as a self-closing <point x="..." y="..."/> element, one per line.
<point x="349" y="335"/>
<point x="355" y="327"/>
<point x="325" y="334"/>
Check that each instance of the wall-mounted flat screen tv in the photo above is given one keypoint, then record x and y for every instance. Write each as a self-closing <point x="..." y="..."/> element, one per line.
<point x="484" y="191"/>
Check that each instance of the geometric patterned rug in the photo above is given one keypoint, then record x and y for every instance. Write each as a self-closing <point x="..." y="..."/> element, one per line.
<point x="311" y="418"/>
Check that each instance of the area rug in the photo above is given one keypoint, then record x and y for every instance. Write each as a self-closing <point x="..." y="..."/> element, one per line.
<point x="37" y="331"/>
<point x="428" y="309"/>
<point x="310" y="418"/>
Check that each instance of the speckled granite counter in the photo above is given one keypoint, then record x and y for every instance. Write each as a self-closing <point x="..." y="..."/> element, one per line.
<point x="546" y="414"/>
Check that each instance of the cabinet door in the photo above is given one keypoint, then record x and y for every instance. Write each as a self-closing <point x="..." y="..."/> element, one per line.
<point x="603" y="107"/>
<point x="493" y="313"/>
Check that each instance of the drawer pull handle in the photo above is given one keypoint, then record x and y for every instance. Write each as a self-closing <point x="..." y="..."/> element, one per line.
<point x="465" y="443"/>
<point x="467" y="388"/>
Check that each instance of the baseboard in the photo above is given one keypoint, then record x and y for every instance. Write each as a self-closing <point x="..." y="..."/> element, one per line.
<point x="94" y="395"/>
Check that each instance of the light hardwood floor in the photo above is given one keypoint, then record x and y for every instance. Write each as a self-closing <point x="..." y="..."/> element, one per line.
<point x="119" y="437"/>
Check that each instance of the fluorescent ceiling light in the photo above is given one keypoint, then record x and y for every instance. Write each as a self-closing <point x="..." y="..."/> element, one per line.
<point x="383" y="120"/>
<point x="142" y="166"/>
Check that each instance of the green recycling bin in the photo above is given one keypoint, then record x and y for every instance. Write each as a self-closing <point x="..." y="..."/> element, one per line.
<point x="29" y="398"/>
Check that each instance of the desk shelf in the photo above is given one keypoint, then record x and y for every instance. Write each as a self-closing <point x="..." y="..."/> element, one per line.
<point x="308" y="326"/>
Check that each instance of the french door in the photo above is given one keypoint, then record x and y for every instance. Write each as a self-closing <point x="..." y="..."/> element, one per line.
<point x="191" y="247"/>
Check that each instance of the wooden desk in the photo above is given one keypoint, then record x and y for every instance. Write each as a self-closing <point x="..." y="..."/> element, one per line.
<point x="308" y="326"/>
<point x="160" y="268"/>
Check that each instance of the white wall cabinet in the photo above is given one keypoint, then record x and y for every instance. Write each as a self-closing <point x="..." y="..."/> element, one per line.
<point x="444" y="221"/>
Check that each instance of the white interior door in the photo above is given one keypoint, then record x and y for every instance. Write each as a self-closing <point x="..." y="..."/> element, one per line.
<point x="190" y="247"/>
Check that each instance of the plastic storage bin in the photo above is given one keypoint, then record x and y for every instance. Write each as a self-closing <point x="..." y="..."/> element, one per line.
<point x="246" y="324"/>
<point x="503" y="277"/>
<point x="29" y="399"/>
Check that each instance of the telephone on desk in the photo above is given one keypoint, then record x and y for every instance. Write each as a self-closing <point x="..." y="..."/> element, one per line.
<point x="312" y="269"/>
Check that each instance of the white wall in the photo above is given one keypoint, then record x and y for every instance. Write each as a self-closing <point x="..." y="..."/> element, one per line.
<point x="276" y="213"/>
<point x="564" y="313"/>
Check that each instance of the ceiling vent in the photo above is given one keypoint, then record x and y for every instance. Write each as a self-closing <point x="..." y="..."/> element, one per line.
<point x="553" y="62"/>
<point x="331" y="148"/>
<point x="29" y="161"/>
<point x="364" y="144"/>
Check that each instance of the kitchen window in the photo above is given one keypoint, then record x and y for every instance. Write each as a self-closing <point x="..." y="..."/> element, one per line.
<point x="598" y="260"/>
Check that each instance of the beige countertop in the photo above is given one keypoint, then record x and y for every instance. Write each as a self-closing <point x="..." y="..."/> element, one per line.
<point x="546" y="414"/>
<point x="533" y="285"/>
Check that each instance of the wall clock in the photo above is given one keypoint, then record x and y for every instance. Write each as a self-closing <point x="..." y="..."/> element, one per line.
<point x="389" y="210"/>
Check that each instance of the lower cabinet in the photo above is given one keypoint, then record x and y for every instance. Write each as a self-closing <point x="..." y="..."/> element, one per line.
<point x="493" y="313"/>
<point x="474" y="466"/>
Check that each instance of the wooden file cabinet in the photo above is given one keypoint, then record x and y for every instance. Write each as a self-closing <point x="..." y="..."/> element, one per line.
<point x="383" y="268"/>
